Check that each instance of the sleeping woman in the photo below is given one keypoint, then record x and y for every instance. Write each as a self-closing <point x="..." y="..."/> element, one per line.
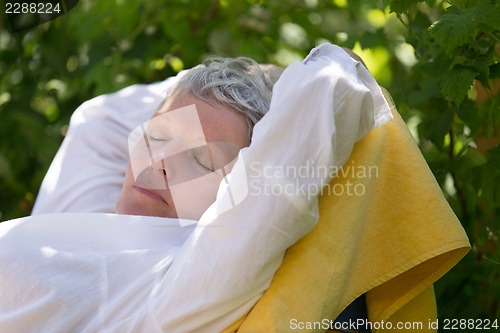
<point x="198" y="236"/>
<point x="189" y="145"/>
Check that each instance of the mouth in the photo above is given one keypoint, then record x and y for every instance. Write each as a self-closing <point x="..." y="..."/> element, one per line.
<point x="150" y="194"/>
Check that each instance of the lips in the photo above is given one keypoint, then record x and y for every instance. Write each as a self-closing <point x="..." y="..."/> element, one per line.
<point x="150" y="194"/>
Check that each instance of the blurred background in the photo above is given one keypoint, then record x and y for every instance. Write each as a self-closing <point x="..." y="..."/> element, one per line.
<point x="439" y="60"/>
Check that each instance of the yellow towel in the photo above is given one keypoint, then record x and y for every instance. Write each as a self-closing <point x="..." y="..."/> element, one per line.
<point x="391" y="237"/>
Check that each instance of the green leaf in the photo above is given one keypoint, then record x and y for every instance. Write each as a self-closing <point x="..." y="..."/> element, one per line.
<point x="436" y="127"/>
<point x="481" y="65"/>
<point x="469" y="114"/>
<point x="487" y="13"/>
<point x="456" y="84"/>
<point x="454" y="28"/>
<point x="495" y="71"/>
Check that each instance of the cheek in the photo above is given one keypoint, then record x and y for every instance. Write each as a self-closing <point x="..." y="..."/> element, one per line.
<point x="129" y="177"/>
<point x="139" y="160"/>
<point x="191" y="199"/>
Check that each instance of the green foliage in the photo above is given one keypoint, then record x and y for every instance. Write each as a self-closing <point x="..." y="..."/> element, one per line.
<point x="454" y="95"/>
<point x="439" y="59"/>
<point x="457" y="83"/>
<point x="402" y="6"/>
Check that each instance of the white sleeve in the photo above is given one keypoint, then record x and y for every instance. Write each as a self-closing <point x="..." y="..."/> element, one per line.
<point x="88" y="170"/>
<point x="320" y="108"/>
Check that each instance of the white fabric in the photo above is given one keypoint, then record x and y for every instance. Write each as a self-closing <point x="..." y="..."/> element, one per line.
<point x="111" y="273"/>
<point x="85" y="272"/>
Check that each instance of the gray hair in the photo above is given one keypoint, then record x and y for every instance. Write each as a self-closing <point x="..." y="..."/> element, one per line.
<point x="239" y="84"/>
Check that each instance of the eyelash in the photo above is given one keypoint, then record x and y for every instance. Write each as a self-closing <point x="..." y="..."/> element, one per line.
<point x="150" y="138"/>
<point x="202" y="165"/>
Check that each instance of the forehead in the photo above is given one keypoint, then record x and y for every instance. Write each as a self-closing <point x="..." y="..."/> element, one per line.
<point x="218" y="123"/>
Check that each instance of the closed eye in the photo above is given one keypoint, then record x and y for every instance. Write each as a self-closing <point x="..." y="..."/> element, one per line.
<point x="203" y="166"/>
<point x="154" y="139"/>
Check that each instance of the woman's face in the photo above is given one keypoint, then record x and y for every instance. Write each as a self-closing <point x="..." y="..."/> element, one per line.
<point x="179" y="157"/>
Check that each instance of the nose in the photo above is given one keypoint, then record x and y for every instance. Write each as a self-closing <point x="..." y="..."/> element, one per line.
<point x="159" y="167"/>
<point x="152" y="179"/>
